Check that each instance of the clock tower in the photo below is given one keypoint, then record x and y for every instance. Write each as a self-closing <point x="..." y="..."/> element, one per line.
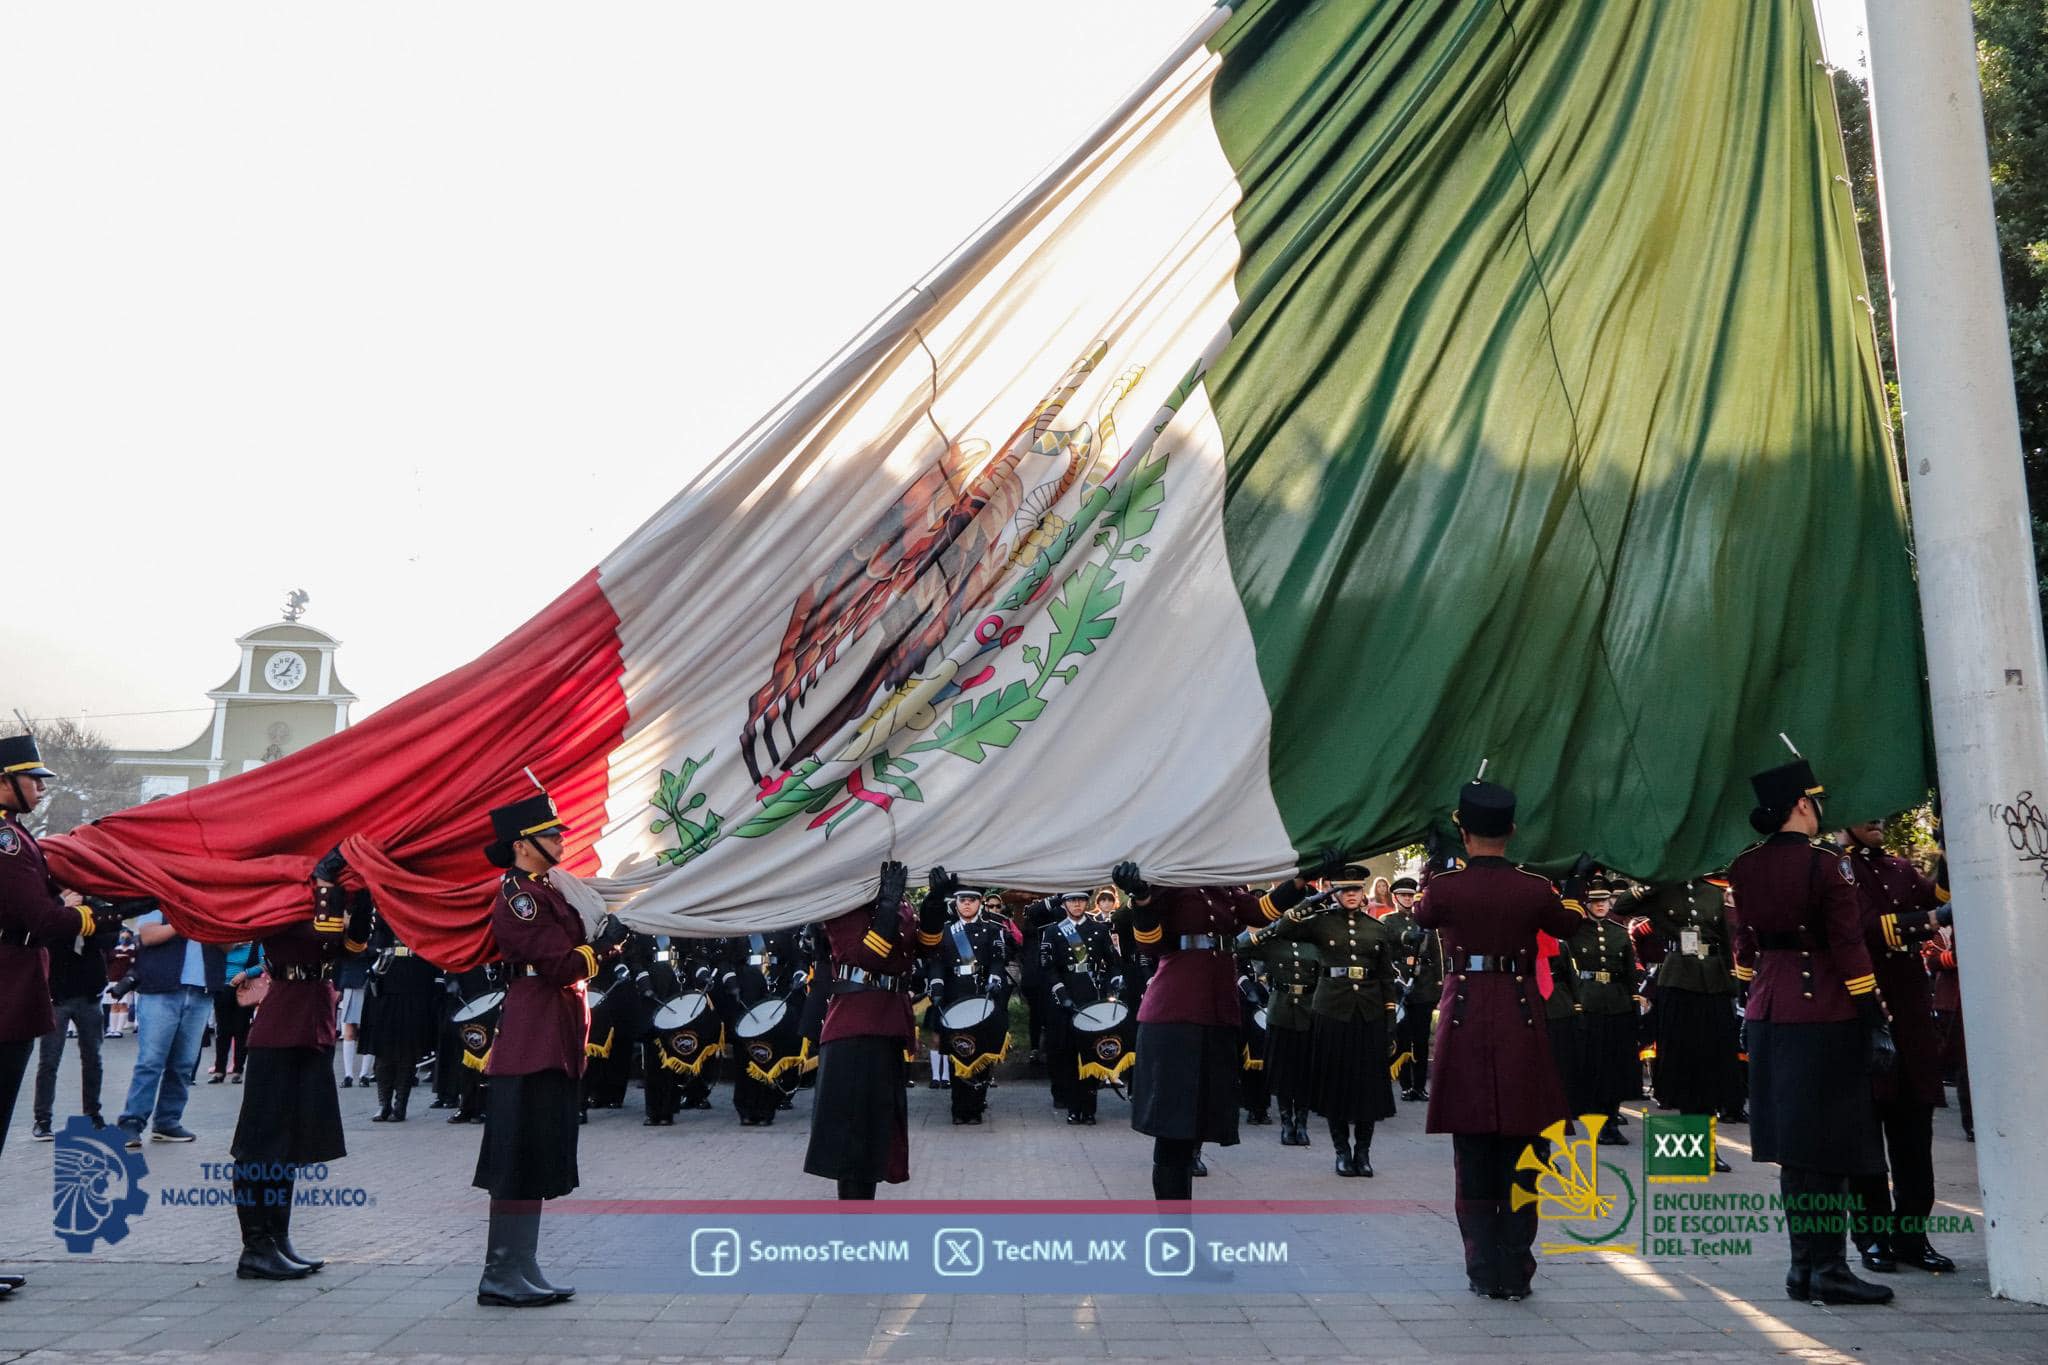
<point x="283" y="695"/>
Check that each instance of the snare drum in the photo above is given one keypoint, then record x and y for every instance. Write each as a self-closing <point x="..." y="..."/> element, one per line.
<point x="1108" y="1040"/>
<point x="687" y="1033"/>
<point x="975" y="1034"/>
<point x="769" y="1035"/>
<point x="476" y="1024"/>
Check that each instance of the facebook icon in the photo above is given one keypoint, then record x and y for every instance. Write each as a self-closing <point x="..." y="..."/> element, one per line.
<point x="715" y="1252"/>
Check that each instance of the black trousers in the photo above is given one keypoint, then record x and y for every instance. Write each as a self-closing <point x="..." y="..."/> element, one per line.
<point x="1814" y="1219"/>
<point x="1498" y="1238"/>
<point x="231" y="1020"/>
<point x="13" y="1066"/>
<point x="1892" y="1212"/>
<point x="664" y="1093"/>
<point x="1063" y="1064"/>
<point x="1411" y="1044"/>
<point x="84" y="1012"/>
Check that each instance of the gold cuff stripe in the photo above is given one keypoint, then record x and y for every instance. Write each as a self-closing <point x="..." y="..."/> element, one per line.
<point x="1148" y="937"/>
<point x="1941" y="894"/>
<point x="1861" y="985"/>
<point x="930" y="940"/>
<point x="1575" y="908"/>
<point x="351" y="946"/>
<point x="876" y="944"/>
<point x="86" y="926"/>
<point x="1745" y="973"/>
<point x="589" y="959"/>
<point x="1267" y="908"/>
<point x="1889" y="924"/>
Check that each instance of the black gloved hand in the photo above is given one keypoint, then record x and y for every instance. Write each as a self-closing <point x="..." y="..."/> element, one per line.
<point x="1059" y="994"/>
<point x="942" y="882"/>
<point x="1129" y="881"/>
<point x="1585" y="867"/>
<point x="895" y="877"/>
<point x="611" y="935"/>
<point x="1328" y="866"/>
<point x="1884" y="1053"/>
<point x="331" y="865"/>
<point x="1945" y="915"/>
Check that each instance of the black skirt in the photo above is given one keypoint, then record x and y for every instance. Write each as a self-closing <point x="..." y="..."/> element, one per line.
<point x="529" y="1146"/>
<point x="1349" y="1071"/>
<point x="1809" y="1098"/>
<point x="1185" y="1082"/>
<point x="403" y="1013"/>
<point x="290" y="1111"/>
<point x="1697" y="1042"/>
<point x="1287" y="1065"/>
<point x="860" y="1123"/>
<point x="1610" y="1069"/>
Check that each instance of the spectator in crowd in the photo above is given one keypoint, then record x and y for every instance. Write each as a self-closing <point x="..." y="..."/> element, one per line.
<point x="175" y="980"/>
<point x="231" y="1017"/>
<point x="78" y="971"/>
<point x="120" y="962"/>
<point x="352" y="975"/>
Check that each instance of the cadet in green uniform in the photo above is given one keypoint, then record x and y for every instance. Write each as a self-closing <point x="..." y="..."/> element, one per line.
<point x="1561" y="1022"/>
<point x="1352" y="1011"/>
<point x="1292" y="968"/>
<point x="1698" y="1036"/>
<point x="1421" y="969"/>
<point x="1604" y="963"/>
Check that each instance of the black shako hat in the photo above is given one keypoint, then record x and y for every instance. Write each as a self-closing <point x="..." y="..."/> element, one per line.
<point x="1779" y="789"/>
<point x="534" y="815"/>
<point x="19" y="757"/>
<point x="1486" y="810"/>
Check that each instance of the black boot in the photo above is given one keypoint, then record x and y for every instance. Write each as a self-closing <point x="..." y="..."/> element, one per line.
<point x="1198" y="1166"/>
<point x="1910" y="1250"/>
<point x="856" y="1189"/>
<point x="281" y="1225"/>
<point x="1361" y="1151"/>
<point x="526" y="1240"/>
<point x="503" y="1285"/>
<point x="1798" y="1276"/>
<point x="261" y="1260"/>
<point x="386" y="1075"/>
<point x="1829" y="1279"/>
<point x="398" y="1100"/>
<point x="1340" y="1138"/>
<point x="1301" y="1126"/>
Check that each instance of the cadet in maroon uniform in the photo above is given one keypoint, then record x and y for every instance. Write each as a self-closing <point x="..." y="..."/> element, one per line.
<point x="32" y="912"/>
<point x="291" y="1114"/>
<point x="1185" y="1085"/>
<point x="1495" y="1088"/>
<point x="529" y="1146"/>
<point x="1901" y="911"/>
<point x="1939" y="953"/>
<point x="1816" y="1030"/>
<point x="860" y="1127"/>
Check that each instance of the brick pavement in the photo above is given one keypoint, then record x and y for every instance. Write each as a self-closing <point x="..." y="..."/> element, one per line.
<point x="402" y="1273"/>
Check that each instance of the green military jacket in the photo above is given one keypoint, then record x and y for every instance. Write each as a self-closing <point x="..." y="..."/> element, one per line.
<point x="1291" y="971"/>
<point x="1421" y="959"/>
<point x="1356" y="945"/>
<point x="1604" y="961"/>
<point x="1693" y="921"/>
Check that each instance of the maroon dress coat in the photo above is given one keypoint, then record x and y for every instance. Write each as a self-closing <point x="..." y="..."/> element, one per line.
<point x="299" y="1008"/>
<point x="1898" y="906"/>
<point x="31" y="915"/>
<point x="548" y="958"/>
<point x="1789" y="888"/>
<point x="1196" y="985"/>
<point x="870" y="1014"/>
<point x="1492" y="1072"/>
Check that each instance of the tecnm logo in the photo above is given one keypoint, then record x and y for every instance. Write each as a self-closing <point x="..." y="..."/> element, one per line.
<point x="97" y="1186"/>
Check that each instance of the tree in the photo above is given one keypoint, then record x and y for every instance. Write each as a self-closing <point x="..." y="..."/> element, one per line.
<point x="88" y="784"/>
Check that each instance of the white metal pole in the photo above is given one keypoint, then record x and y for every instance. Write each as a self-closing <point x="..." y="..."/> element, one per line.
<point x="1979" y="607"/>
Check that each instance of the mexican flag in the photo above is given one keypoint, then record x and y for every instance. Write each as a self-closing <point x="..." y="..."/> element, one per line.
<point x="1379" y="389"/>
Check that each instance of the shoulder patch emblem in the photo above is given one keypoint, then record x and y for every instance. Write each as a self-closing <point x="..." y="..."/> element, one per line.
<point x="1848" y="871"/>
<point x="10" y="842"/>
<point x="523" y="905"/>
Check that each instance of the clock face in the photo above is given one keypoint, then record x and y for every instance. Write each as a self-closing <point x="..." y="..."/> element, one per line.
<point x="285" y="671"/>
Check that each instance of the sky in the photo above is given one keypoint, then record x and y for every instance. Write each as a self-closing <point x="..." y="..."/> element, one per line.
<point x="424" y="309"/>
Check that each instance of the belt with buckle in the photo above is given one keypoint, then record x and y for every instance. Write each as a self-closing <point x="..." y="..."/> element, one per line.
<point x="1349" y="973"/>
<point x="1603" y="977"/>
<point x="1297" y="990"/>
<point x="1190" y="942"/>
<point x="296" y="972"/>
<point x="757" y="959"/>
<point x="965" y="969"/>
<point x="1466" y="963"/>
<point x="525" y="969"/>
<point x="400" y="950"/>
<point x="865" y="980"/>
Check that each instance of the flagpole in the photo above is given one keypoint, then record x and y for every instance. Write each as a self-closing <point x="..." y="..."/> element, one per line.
<point x="1979" y="608"/>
